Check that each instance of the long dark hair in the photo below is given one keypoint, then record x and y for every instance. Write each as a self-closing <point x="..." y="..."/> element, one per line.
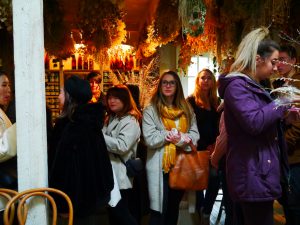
<point x="70" y="104"/>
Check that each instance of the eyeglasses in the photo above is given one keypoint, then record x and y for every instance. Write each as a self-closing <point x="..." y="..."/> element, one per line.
<point x="171" y="83"/>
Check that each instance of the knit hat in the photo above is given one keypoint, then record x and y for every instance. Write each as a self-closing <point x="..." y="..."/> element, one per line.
<point x="78" y="89"/>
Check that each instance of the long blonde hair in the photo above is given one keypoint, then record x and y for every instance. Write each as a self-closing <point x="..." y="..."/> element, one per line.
<point x="158" y="100"/>
<point x="200" y="98"/>
<point x="253" y="44"/>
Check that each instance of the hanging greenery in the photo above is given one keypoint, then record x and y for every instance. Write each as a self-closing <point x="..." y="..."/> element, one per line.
<point x="206" y="42"/>
<point x="192" y="14"/>
<point x="6" y="15"/>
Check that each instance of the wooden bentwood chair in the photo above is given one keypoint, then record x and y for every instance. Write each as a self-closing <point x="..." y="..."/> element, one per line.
<point x="22" y="208"/>
<point x="8" y="194"/>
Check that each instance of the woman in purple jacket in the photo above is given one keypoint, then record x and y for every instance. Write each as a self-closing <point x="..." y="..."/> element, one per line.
<point x="256" y="153"/>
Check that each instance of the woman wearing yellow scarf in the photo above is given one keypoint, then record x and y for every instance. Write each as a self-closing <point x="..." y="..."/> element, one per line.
<point x="169" y="124"/>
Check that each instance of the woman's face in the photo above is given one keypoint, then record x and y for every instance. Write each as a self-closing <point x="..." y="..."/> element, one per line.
<point x="284" y="68"/>
<point x="61" y="98"/>
<point x="115" y="104"/>
<point x="205" y="81"/>
<point x="95" y="85"/>
<point x="5" y="92"/>
<point x="168" y="86"/>
<point x="266" y="67"/>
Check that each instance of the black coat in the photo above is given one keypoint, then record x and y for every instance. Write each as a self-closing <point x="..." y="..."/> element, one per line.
<point x="207" y="124"/>
<point x="81" y="166"/>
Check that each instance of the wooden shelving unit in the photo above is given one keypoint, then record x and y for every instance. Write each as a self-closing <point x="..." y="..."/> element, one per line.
<point x="52" y="87"/>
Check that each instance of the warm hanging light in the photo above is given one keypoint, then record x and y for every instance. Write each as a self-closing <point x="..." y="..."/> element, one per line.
<point x="79" y="46"/>
<point x="76" y="35"/>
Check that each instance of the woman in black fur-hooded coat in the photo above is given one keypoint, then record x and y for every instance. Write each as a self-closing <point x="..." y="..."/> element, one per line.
<point x="79" y="161"/>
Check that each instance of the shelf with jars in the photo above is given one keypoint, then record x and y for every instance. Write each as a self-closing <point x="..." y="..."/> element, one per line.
<point x="52" y="88"/>
<point x="107" y="83"/>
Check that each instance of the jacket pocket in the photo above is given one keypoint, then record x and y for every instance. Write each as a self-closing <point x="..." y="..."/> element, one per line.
<point x="265" y="161"/>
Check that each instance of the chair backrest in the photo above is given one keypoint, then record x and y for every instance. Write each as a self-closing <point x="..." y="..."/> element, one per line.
<point x="8" y="194"/>
<point x="22" y="208"/>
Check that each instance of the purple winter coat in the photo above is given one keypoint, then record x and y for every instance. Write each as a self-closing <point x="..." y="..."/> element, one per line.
<point x="253" y="157"/>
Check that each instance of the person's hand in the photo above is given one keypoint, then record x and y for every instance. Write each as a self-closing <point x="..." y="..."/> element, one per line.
<point x="296" y="99"/>
<point x="211" y="148"/>
<point x="173" y="136"/>
<point x="278" y="82"/>
<point x="185" y="139"/>
<point x="293" y="115"/>
<point x="214" y="162"/>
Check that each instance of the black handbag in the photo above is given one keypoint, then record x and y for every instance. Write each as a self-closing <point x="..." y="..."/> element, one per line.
<point x="134" y="167"/>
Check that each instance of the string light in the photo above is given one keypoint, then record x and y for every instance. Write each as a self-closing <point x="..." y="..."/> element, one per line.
<point x="288" y="38"/>
<point x="297" y="66"/>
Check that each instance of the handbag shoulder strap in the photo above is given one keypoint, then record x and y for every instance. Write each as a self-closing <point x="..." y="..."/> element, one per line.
<point x="121" y="159"/>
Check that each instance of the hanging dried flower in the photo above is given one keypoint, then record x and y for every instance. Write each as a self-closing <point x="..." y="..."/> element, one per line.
<point x="149" y="43"/>
<point x="167" y="24"/>
<point x="6" y="15"/>
<point x="101" y="24"/>
<point x="146" y="80"/>
<point x="57" y="33"/>
<point x="185" y="57"/>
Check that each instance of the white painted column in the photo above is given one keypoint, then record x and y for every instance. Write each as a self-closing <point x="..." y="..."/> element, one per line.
<point x="28" y="34"/>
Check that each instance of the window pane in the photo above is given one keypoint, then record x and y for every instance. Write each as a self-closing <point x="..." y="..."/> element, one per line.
<point x="198" y="63"/>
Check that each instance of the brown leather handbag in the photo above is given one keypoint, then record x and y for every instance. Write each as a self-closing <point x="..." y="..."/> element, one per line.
<point x="190" y="171"/>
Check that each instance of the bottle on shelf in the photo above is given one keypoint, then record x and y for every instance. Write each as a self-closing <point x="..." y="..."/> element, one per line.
<point x="73" y="62"/>
<point x="85" y="62"/>
<point x="91" y="64"/>
<point x="47" y="61"/>
<point x="79" y="64"/>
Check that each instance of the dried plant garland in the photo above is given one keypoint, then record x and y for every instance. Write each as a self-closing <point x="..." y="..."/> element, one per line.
<point x="101" y="23"/>
<point x="185" y="57"/>
<point x="162" y="30"/>
<point x="6" y="15"/>
<point x="57" y="33"/>
<point x="146" y="80"/>
<point x="167" y="23"/>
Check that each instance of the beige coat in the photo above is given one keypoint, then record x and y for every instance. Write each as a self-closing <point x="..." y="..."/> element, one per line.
<point x="154" y="134"/>
<point x="8" y="145"/>
<point x="122" y="136"/>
